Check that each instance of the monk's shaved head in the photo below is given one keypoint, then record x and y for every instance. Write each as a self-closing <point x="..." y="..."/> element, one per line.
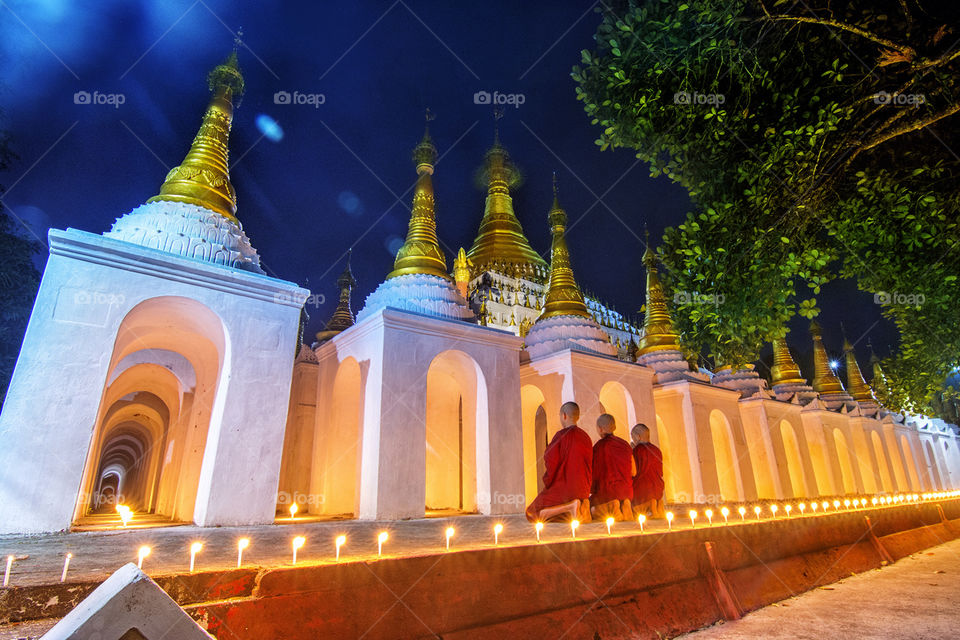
<point x="569" y="413"/>
<point x="640" y="433"/>
<point x="606" y="423"/>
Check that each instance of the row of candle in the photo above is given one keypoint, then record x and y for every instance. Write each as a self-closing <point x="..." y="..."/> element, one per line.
<point x="299" y="541"/>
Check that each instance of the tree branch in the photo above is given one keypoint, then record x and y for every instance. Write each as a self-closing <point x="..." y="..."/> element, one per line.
<point x="910" y="126"/>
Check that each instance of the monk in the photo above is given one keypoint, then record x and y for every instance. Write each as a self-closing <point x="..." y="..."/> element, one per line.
<point x="613" y="470"/>
<point x="648" y="481"/>
<point x="566" y="481"/>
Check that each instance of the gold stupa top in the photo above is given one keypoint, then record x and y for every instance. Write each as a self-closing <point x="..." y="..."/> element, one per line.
<point x="203" y="178"/>
<point x="856" y="385"/>
<point x="824" y="380"/>
<point x="421" y="251"/>
<point x="784" y="369"/>
<point x="564" y="297"/>
<point x="658" y="331"/>
<point x="342" y="317"/>
<point x="500" y="244"/>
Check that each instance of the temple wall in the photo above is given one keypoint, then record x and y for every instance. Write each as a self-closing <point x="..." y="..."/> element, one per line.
<point x="90" y="285"/>
<point x="294" y="484"/>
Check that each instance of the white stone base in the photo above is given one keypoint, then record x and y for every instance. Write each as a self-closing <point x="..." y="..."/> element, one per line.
<point x="567" y="332"/>
<point x="419" y="293"/>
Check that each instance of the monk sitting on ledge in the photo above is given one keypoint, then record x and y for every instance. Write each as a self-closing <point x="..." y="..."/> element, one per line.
<point x="648" y="481"/>
<point x="566" y="481"/>
<point x="613" y="469"/>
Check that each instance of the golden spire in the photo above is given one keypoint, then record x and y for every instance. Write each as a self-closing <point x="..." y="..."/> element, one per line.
<point x="856" y="385"/>
<point x="563" y="295"/>
<point x="784" y="369"/>
<point x="500" y="238"/>
<point x="461" y="271"/>
<point x="203" y="178"/>
<point x="824" y="380"/>
<point x="658" y="332"/>
<point x="421" y="252"/>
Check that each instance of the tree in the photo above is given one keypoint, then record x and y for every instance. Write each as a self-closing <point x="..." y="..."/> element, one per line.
<point x="814" y="142"/>
<point x="19" y="280"/>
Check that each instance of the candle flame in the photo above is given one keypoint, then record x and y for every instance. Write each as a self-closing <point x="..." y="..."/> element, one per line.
<point x="299" y="541"/>
<point x="195" y="547"/>
<point x="243" y="543"/>
<point x="383" y="537"/>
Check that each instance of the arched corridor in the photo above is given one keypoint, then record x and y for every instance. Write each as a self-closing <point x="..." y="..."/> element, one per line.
<point x="798" y="483"/>
<point x="886" y="480"/>
<point x="534" y="424"/>
<point x="843" y="459"/>
<point x="724" y="457"/>
<point x="457" y="456"/>
<point x="337" y="464"/>
<point x="147" y="448"/>
<point x="617" y="401"/>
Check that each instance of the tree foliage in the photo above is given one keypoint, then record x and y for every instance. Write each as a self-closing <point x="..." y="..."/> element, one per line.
<point x="815" y="142"/>
<point x="19" y="280"/>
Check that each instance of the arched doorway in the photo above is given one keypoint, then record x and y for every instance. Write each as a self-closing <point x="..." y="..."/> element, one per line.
<point x="165" y="372"/>
<point x="534" y="422"/>
<point x="791" y="447"/>
<point x="911" y="463"/>
<point x="617" y="401"/>
<point x="338" y="448"/>
<point x="846" y="466"/>
<point x="457" y="442"/>
<point x="669" y="469"/>
<point x="885" y="479"/>
<point x="933" y="467"/>
<point x="724" y="457"/>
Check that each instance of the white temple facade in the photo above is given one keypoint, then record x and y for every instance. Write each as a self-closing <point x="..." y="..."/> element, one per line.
<point x="161" y="369"/>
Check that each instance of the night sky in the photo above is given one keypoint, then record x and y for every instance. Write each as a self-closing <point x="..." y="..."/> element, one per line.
<point x="341" y="175"/>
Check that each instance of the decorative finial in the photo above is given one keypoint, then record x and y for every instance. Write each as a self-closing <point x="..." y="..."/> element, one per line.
<point x="238" y="40"/>
<point x="497" y="114"/>
<point x="658" y="331"/>
<point x="421" y="253"/>
<point x="203" y="178"/>
<point x="564" y="297"/>
<point x="824" y="380"/>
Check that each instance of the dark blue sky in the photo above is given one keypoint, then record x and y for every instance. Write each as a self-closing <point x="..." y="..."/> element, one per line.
<point x="341" y="174"/>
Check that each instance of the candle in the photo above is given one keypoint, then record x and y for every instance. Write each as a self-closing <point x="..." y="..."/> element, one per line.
<point x="126" y="515"/>
<point x="449" y="535"/>
<point x="539" y="528"/>
<point x="725" y="513"/>
<point x="742" y="511"/>
<point x="846" y="504"/>
<point x="298" y="542"/>
<point x="756" y="512"/>
<point x="610" y="522"/>
<point x="709" y="514"/>
<point x="194" y="550"/>
<point x="788" y="508"/>
<point x="825" y="505"/>
<point x="66" y="564"/>
<point x="142" y="553"/>
<point x="773" y="510"/>
<point x="341" y="540"/>
<point x="380" y="540"/>
<point x="293" y="511"/>
<point x="573" y="528"/>
<point x="669" y="520"/>
<point x="6" y="574"/>
<point x="836" y="505"/>
<point x="693" y="518"/>
<point x="802" y="506"/>
<point x="242" y="544"/>
<point x="497" y="530"/>
<point x="813" y="506"/>
<point x="873" y="501"/>
<point x="640" y="520"/>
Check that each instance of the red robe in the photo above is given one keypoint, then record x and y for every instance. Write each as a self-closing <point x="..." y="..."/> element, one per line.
<point x="648" y="483"/>
<point x="568" y="460"/>
<point x="611" y="470"/>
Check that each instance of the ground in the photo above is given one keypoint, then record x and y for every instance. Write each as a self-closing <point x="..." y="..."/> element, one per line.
<point x="914" y="598"/>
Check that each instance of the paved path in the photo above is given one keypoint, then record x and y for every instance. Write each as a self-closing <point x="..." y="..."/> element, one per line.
<point x="915" y="598"/>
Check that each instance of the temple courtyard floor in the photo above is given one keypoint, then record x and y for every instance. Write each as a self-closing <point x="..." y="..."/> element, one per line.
<point x="915" y="597"/>
<point x="874" y="572"/>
